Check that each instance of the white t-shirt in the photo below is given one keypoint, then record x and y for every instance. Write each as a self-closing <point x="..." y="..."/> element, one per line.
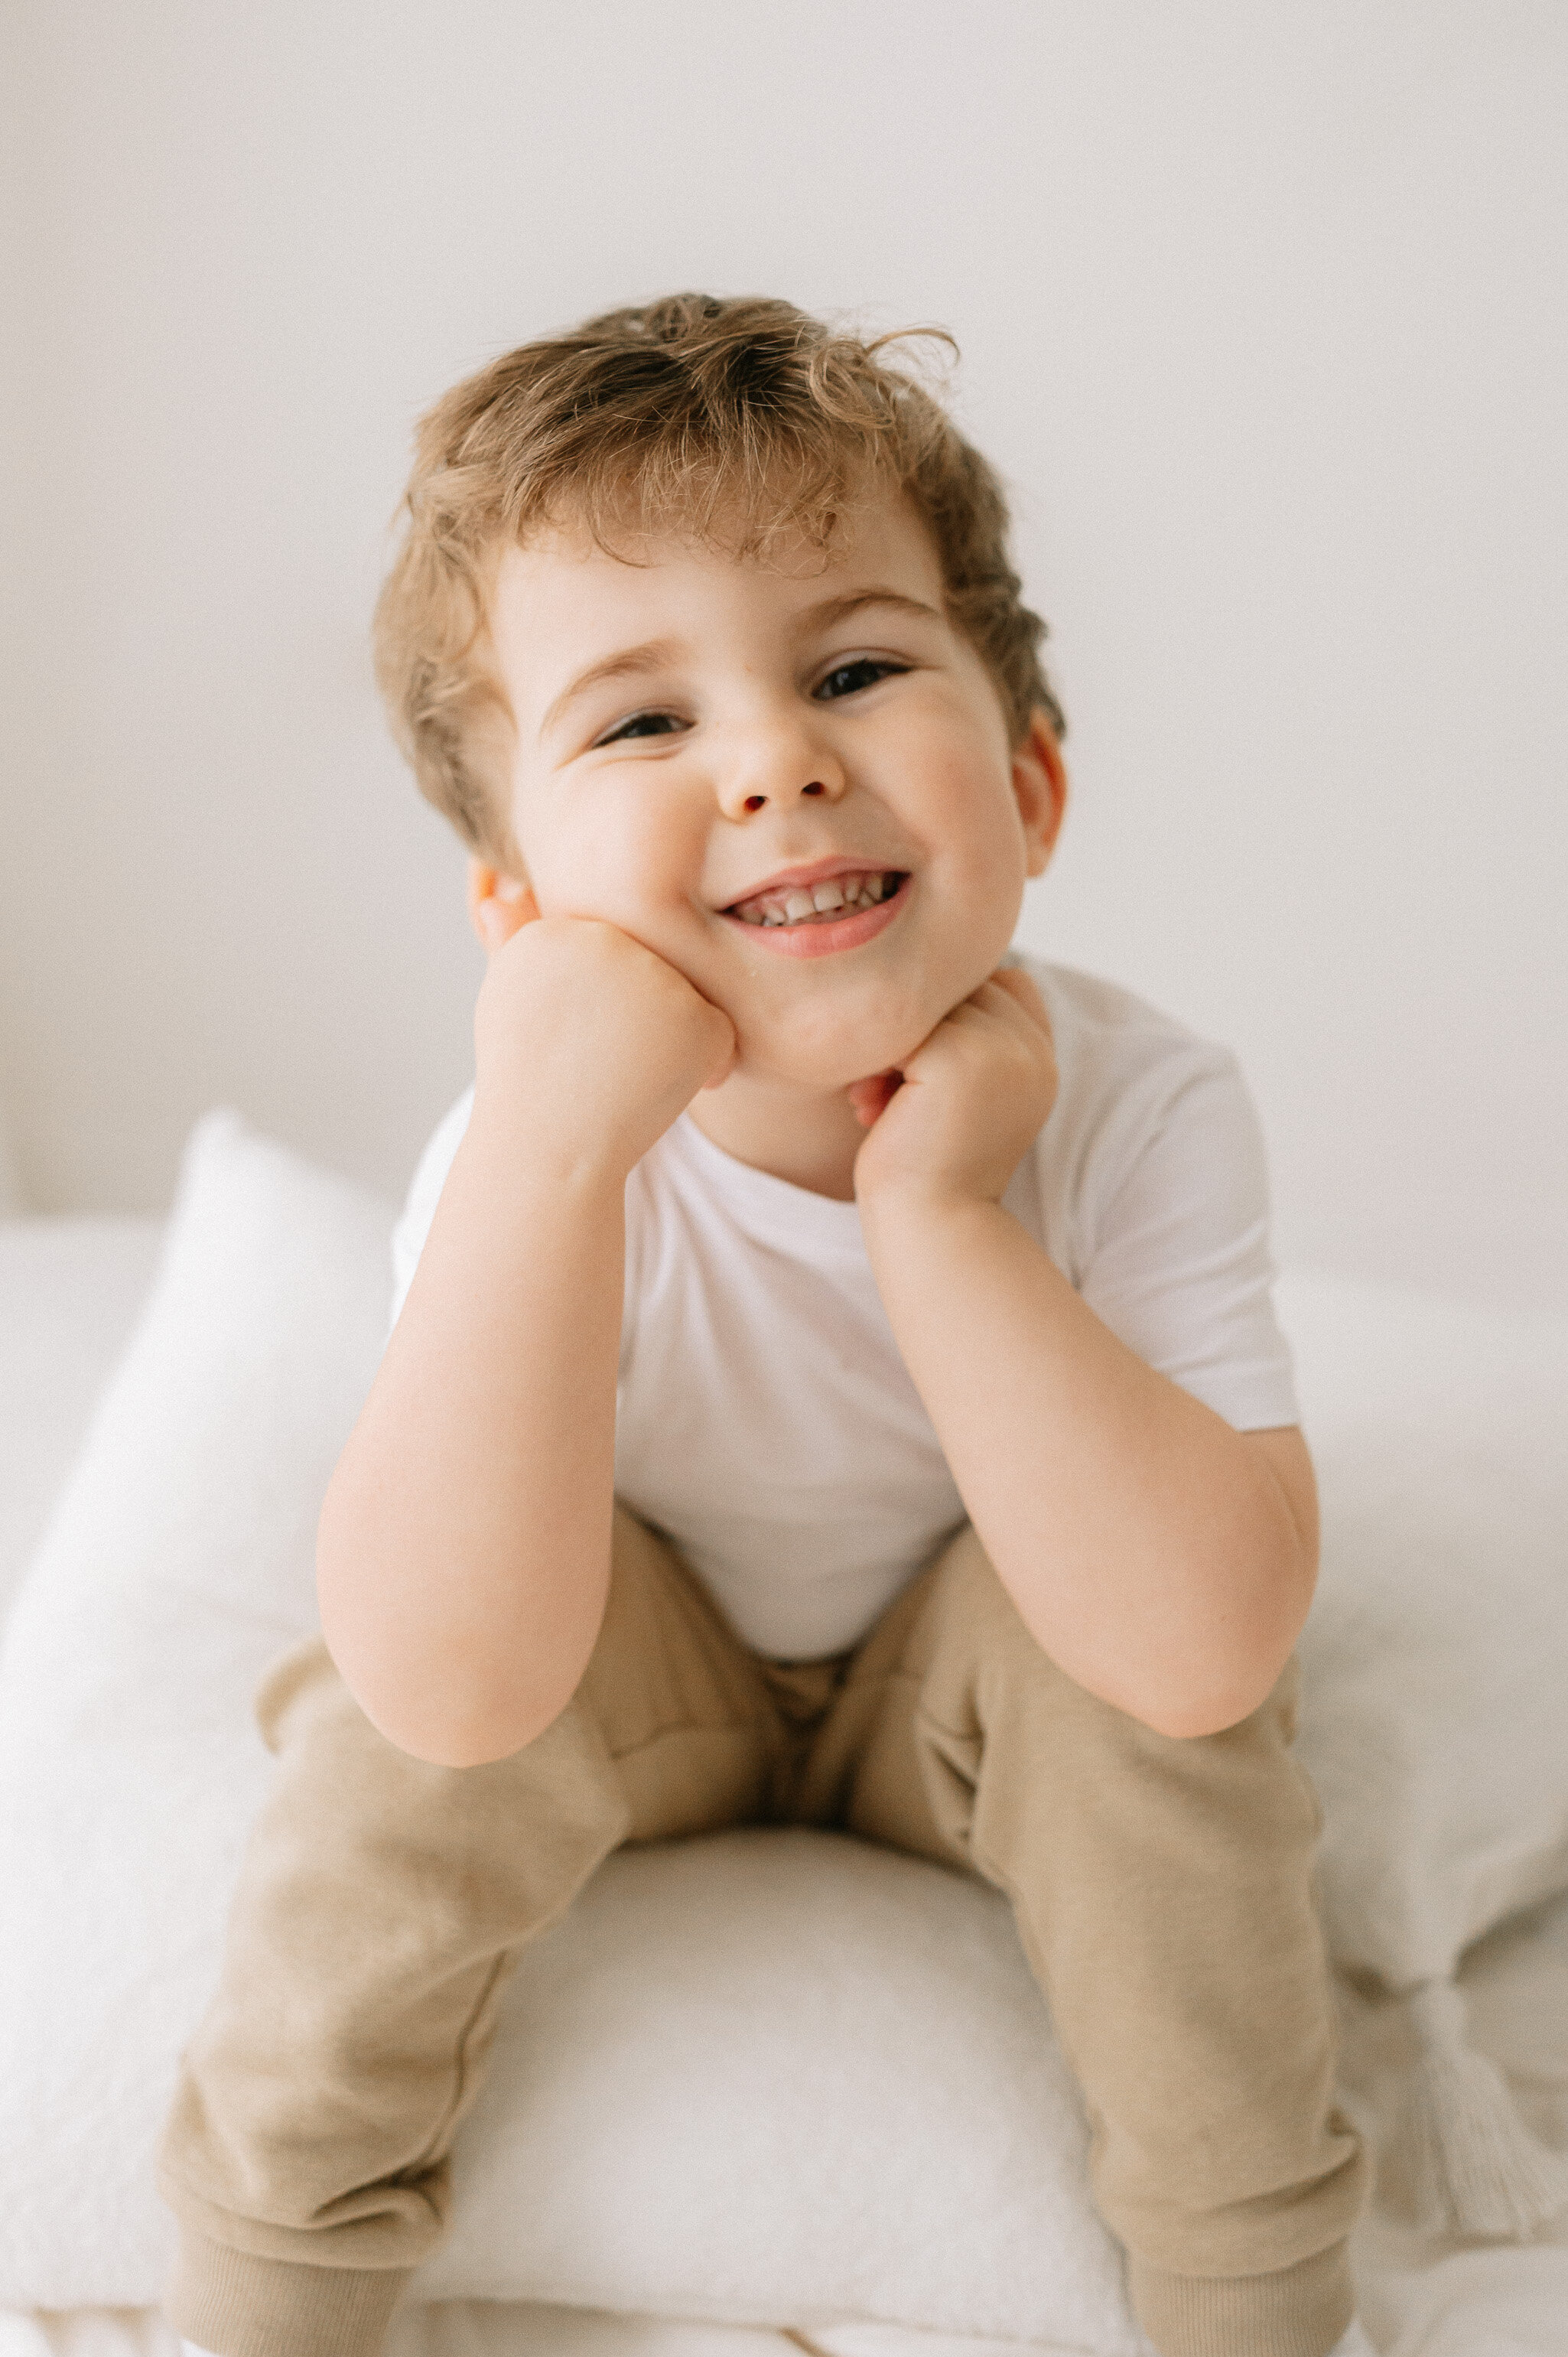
<point x="765" y="1421"/>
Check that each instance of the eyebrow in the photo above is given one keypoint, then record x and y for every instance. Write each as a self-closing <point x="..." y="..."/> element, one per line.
<point x="838" y="610"/>
<point x="636" y="662"/>
<point x="632" y="662"/>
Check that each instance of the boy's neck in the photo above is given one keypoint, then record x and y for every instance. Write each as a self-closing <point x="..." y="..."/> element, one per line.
<point x="807" y="1137"/>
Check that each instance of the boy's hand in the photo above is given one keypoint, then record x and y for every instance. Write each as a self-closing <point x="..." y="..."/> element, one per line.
<point x="596" y="1042"/>
<point x="954" y="1124"/>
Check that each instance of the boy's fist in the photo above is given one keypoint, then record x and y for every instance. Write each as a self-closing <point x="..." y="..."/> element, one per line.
<point x="963" y="1111"/>
<point x="589" y="1039"/>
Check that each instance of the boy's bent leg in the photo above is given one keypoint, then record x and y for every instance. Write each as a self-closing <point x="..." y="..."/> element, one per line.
<point x="380" y="1900"/>
<point x="1163" y="1892"/>
<point x="381" y="1904"/>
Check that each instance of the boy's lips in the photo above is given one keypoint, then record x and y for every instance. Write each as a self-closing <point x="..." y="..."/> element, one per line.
<point x="795" y="912"/>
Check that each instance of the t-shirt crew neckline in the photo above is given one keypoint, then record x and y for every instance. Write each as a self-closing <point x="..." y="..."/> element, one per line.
<point x="772" y="1212"/>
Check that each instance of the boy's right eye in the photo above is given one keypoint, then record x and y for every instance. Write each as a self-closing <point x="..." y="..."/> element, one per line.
<point x="641" y="724"/>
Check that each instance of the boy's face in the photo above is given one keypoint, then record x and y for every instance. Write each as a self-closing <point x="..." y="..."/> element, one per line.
<point x="706" y="746"/>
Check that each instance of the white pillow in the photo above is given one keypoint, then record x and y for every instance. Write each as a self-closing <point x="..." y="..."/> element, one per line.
<point x="1435" y="1717"/>
<point x="773" y="2079"/>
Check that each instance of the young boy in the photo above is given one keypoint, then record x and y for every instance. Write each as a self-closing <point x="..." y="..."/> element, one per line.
<point x="833" y="1377"/>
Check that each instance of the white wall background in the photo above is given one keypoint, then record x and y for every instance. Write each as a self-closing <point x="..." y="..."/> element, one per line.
<point x="1264" y="313"/>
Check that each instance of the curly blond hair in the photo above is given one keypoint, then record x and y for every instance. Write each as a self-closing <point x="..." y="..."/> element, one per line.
<point x="734" y="421"/>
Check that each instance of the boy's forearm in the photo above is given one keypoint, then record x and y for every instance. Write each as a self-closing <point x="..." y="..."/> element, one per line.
<point x="1147" y="1546"/>
<point x="464" y="1547"/>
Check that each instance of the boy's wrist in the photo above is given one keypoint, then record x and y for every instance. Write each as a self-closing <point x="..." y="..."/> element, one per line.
<point x="932" y="1246"/>
<point x="922" y="1212"/>
<point x="525" y="1155"/>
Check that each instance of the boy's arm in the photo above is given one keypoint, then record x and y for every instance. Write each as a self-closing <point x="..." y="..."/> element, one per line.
<point x="463" y="1554"/>
<point x="1163" y="1560"/>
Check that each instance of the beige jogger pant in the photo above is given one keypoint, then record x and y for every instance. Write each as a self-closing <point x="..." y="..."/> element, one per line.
<point x="1162" y="1888"/>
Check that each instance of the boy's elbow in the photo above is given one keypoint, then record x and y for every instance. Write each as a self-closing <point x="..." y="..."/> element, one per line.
<point x="1185" y="1723"/>
<point x="457" y="1731"/>
<point x="1216" y="1703"/>
<point x="454" y="1746"/>
<point x="1234" y="1676"/>
<point x="416" y="1682"/>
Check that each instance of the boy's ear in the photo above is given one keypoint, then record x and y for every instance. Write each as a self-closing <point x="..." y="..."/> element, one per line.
<point x="498" y="903"/>
<point x="1039" y="787"/>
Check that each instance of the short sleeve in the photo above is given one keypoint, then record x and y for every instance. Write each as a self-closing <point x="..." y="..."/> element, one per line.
<point x="1176" y="1243"/>
<point x="424" y="1194"/>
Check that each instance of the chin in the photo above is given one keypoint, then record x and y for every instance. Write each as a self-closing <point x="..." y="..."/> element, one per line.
<point x="826" y="1066"/>
<point x="828" y="1038"/>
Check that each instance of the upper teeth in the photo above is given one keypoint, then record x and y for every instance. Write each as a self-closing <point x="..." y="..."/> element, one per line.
<point x="793" y="905"/>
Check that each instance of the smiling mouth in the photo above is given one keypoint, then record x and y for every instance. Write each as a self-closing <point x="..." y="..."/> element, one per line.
<point x="825" y="903"/>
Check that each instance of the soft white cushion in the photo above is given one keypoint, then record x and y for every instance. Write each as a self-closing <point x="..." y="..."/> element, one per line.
<point x="779" y="2079"/>
<point x="1434" y="1680"/>
<point x="807" y="2079"/>
<point x="1436" y="1660"/>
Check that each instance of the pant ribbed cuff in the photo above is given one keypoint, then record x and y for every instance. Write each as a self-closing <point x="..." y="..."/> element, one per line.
<point x="1300" y="2312"/>
<point x="240" y="2305"/>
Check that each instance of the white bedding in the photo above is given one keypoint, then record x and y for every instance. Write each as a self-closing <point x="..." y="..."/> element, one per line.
<point x="68" y="1290"/>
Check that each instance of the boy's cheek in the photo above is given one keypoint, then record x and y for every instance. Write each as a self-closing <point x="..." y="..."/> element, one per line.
<point x="586" y="886"/>
<point x="612" y="873"/>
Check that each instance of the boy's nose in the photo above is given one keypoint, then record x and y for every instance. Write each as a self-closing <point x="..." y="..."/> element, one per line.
<point x="786" y="768"/>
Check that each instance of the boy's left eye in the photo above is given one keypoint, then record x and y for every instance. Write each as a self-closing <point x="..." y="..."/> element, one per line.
<point x="864" y="671"/>
<point x="641" y="724"/>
